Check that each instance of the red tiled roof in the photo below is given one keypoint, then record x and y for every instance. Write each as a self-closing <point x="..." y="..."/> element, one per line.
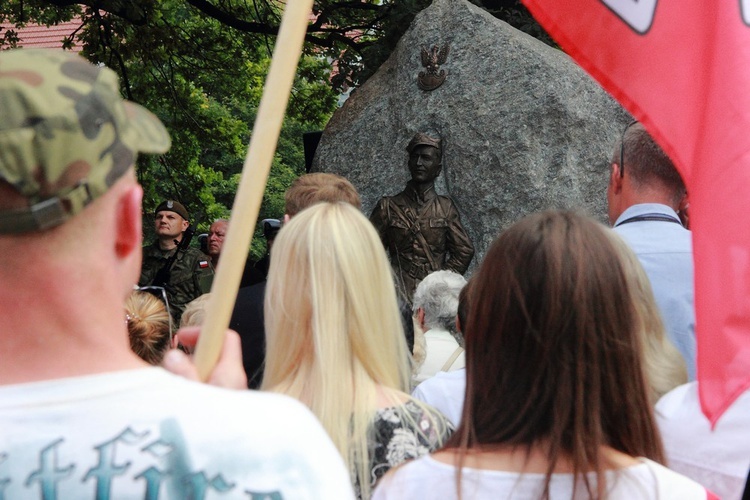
<point x="43" y="37"/>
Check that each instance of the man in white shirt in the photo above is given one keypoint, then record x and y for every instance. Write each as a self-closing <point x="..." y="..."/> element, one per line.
<point x="81" y="415"/>
<point x="435" y="306"/>
<point x="718" y="458"/>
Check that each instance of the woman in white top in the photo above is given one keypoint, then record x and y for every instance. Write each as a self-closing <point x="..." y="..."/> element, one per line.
<point x="556" y="401"/>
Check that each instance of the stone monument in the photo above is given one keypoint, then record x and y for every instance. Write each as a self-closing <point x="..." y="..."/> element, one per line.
<point x="522" y="127"/>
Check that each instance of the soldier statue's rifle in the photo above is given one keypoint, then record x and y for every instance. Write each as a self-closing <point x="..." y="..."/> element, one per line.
<point x="164" y="274"/>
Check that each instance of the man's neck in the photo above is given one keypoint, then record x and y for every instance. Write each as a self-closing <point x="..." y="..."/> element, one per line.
<point x="631" y="196"/>
<point x="169" y="243"/>
<point x="59" y="337"/>
<point x="655" y="195"/>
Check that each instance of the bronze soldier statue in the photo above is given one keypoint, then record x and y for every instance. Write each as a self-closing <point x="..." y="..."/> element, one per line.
<point x="421" y="230"/>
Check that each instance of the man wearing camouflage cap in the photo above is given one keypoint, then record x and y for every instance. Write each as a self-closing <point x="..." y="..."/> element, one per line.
<point x="81" y="415"/>
<point x="421" y="230"/>
<point x="185" y="273"/>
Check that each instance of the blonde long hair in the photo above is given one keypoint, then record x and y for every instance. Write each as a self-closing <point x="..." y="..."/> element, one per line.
<point x="664" y="365"/>
<point x="333" y="329"/>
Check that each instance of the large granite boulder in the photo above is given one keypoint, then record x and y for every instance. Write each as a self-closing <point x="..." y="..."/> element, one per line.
<point x="523" y="127"/>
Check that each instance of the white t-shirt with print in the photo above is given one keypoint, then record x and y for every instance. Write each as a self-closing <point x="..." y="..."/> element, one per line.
<point x="149" y="434"/>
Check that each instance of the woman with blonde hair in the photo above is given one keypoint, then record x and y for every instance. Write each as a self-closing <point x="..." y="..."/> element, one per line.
<point x="149" y="326"/>
<point x="195" y="311"/>
<point x="335" y="342"/>
<point x="664" y="365"/>
<point x="556" y="399"/>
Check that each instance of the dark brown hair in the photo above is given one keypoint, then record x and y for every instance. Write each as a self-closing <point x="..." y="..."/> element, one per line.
<point x="463" y="307"/>
<point x="318" y="187"/>
<point x="551" y="340"/>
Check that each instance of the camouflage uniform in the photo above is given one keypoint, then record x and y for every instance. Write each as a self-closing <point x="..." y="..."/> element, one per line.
<point x="423" y="233"/>
<point x="190" y="277"/>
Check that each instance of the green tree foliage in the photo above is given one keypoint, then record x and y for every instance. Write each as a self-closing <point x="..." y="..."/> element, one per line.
<point x="205" y="81"/>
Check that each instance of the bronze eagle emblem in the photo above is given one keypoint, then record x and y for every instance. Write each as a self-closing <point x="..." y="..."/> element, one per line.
<point x="431" y="60"/>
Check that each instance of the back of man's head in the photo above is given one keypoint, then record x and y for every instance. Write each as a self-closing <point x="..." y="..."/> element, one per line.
<point x="66" y="136"/>
<point x="318" y="187"/>
<point x="646" y="163"/>
<point x="437" y="296"/>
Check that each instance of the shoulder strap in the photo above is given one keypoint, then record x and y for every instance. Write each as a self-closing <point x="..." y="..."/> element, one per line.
<point x="449" y="362"/>
<point x="417" y="232"/>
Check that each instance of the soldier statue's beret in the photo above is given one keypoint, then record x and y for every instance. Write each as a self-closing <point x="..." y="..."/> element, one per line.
<point x="421" y="139"/>
<point x="66" y="135"/>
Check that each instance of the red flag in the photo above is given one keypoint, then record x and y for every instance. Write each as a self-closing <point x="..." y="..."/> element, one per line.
<point x="682" y="67"/>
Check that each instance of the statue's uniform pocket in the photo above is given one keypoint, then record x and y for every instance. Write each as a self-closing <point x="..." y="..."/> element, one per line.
<point x="435" y="234"/>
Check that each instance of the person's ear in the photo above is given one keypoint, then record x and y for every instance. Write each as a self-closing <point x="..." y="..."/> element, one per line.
<point x="615" y="179"/>
<point x="682" y="211"/>
<point x="420" y="317"/>
<point x="185" y="224"/>
<point x="684" y="204"/>
<point x="287" y="218"/>
<point x="128" y="238"/>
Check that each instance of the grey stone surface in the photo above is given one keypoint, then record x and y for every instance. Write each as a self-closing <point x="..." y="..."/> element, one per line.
<point x="524" y="128"/>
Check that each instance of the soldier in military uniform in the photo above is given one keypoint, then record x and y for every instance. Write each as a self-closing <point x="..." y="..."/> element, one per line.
<point x="421" y="230"/>
<point x="191" y="273"/>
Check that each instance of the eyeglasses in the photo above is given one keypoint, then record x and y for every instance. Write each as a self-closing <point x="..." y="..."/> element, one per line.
<point x="160" y="293"/>
<point x="622" y="147"/>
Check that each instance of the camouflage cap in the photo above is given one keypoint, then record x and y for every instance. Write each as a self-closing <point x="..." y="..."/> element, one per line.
<point x="421" y="139"/>
<point x="66" y="135"/>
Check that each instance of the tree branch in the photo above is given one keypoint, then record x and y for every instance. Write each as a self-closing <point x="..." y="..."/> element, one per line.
<point x="120" y="9"/>
<point x="229" y="20"/>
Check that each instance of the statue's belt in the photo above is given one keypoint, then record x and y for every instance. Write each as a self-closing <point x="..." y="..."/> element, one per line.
<point x="414" y="269"/>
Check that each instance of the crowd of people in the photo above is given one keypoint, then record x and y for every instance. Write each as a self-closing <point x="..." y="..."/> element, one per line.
<point x="563" y="368"/>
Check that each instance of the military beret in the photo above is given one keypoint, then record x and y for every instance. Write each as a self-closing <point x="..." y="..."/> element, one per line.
<point x="173" y="206"/>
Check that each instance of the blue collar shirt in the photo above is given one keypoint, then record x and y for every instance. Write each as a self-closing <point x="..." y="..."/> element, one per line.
<point x="665" y="250"/>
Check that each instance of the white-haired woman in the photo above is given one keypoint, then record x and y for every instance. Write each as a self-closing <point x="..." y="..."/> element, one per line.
<point x="336" y="343"/>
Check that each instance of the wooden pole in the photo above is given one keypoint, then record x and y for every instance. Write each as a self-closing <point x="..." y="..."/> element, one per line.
<point x="253" y="182"/>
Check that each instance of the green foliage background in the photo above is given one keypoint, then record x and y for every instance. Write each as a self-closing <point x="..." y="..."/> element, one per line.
<point x="204" y="81"/>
